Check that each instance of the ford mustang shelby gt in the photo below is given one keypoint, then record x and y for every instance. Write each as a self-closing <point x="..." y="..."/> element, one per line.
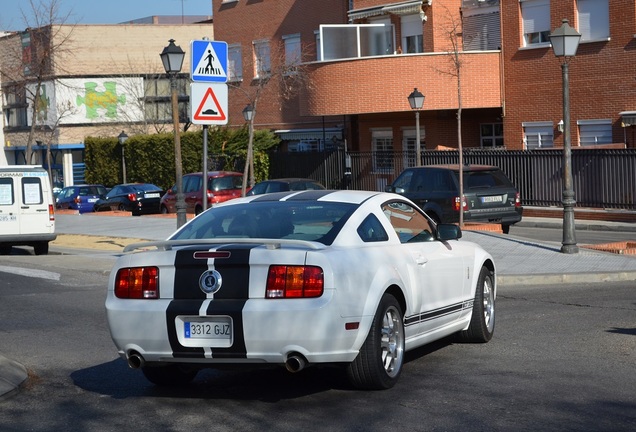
<point x="351" y="278"/>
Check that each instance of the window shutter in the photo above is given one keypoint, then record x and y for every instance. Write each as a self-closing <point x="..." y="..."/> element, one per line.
<point x="482" y="32"/>
<point x="593" y="19"/>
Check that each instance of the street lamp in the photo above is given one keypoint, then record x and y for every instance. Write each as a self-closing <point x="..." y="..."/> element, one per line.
<point x="122" y="137"/>
<point x="248" y="115"/>
<point x="172" y="58"/>
<point x="565" y="41"/>
<point x="416" y="100"/>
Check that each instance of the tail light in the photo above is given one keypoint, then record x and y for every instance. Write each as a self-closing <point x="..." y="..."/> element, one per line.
<point x="51" y="212"/>
<point x="132" y="197"/>
<point x="457" y="204"/>
<point x="517" y="200"/>
<point x="294" y="282"/>
<point x="137" y="283"/>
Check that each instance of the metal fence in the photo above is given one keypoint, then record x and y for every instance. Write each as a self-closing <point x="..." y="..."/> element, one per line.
<point x="602" y="178"/>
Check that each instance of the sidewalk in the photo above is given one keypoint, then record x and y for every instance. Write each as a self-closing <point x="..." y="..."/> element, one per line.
<point x="519" y="262"/>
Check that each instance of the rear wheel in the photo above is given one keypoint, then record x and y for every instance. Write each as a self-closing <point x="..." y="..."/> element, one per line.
<point x="505" y="229"/>
<point x="41" y="248"/>
<point x="5" y="250"/>
<point x="164" y="209"/>
<point x="379" y="362"/>
<point x="197" y="210"/>
<point x="121" y="207"/>
<point x="482" y="322"/>
<point x="169" y="376"/>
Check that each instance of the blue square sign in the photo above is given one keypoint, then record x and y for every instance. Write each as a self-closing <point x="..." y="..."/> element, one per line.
<point x="209" y="61"/>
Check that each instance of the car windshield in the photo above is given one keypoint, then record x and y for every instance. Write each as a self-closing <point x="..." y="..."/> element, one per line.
<point x="225" y="183"/>
<point x="298" y="220"/>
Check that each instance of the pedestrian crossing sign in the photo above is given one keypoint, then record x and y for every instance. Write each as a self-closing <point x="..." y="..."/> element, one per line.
<point x="209" y="61"/>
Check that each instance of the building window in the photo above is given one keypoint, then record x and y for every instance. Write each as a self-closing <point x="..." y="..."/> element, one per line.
<point x="536" y="21"/>
<point x="382" y="146"/>
<point x="491" y="135"/>
<point x="292" y="49"/>
<point x="412" y="39"/>
<point x="317" y="35"/>
<point x="594" y="132"/>
<point x="538" y="135"/>
<point x="15" y="106"/>
<point x="158" y="102"/>
<point x="262" y="61"/>
<point x="593" y="19"/>
<point x="234" y="62"/>
<point x="481" y="29"/>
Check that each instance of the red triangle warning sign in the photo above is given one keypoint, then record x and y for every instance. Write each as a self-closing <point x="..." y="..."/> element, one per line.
<point x="209" y="108"/>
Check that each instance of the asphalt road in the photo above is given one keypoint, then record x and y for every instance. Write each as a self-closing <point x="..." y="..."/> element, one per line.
<point x="562" y="358"/>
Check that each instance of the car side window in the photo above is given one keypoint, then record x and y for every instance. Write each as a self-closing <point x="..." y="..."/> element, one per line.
<point x="442" y="181"/>
<point x="371" y="230"/>
<point x="404" y="180"/>
<point x="410" y="225"/>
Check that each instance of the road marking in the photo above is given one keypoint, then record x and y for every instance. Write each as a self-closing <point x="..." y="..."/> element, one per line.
<point x="41" y="274"/>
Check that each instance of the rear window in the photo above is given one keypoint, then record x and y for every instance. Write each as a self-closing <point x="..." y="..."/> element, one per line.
<point x="486" y="179"/>
<point x="225" y="183"/>
<point x="312" y="221"/>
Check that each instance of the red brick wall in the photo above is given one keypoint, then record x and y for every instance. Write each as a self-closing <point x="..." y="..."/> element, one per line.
<point x="602" y="78"/>
<point x="272" y="20"/>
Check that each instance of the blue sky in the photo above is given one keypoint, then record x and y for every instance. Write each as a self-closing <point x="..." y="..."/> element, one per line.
<point x="101" y="12"/>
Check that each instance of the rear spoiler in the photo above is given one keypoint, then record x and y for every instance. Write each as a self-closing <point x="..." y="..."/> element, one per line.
<point x="269" y="243"/>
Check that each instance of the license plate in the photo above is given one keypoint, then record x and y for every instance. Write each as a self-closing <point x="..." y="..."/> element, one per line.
<point x="209" y="328"/>
<point x="152" y="195"/>
<point x="490" y="199"/>
<point x="8" y="218"/>
<point x="92" y="200"/>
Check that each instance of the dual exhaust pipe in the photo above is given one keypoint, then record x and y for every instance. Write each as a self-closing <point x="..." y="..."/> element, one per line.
<point x="295" y="362"/>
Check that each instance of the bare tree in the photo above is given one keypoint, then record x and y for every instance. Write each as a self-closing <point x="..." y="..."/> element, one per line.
<point x="30" y="60"/>
<point x="279" y="71"/>
<point x="451" y="26"/>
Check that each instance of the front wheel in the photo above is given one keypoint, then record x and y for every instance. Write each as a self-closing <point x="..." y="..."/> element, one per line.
<point x="169" y="376"/>
<point x="482" y="322"/>
<point x="379" y="362"/>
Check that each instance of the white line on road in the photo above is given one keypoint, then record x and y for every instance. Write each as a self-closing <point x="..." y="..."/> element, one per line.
<point x="42" y="274"/>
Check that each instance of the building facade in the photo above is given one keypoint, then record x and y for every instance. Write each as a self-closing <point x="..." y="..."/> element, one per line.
<point x="490" y="58"/>
<point x="96" y="80"/>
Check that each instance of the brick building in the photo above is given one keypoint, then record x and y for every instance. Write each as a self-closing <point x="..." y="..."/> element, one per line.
<point x="366" y="56"/>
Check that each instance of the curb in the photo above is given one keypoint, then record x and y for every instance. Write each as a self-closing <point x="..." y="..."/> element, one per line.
<point x="509" y="281"/>
<point x="12" y="375"/>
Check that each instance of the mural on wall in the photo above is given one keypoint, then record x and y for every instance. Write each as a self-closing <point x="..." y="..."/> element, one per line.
<point x="90" y="101"/>
<point x="101" y="101"/>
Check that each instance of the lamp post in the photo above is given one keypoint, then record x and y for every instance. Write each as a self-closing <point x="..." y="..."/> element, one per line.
<point x="172" y="58"/>
<point x="248" y="115"/>
<point x="565" y="41"/>
<point x="122" y="137"/>
<point x="416" y="100"/>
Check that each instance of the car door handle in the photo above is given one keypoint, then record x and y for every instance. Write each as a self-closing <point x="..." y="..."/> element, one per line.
<point x="420" y="259"/>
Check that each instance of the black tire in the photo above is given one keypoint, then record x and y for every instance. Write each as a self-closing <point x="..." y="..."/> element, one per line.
<point x="5" y="250"/>
<point x="379" y="362"/>
<point x="505" y="229"/>
<point x="41" y="248"/>
<point x="482" y="321"/>
<point x="169" y="376"/>
<point x="121" y="207"/>
<point x="198" y="210"/>
<point x="164" y="209"/>
<point x="433" y="216"/>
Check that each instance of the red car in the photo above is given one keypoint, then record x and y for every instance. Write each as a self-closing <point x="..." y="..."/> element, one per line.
<point x="222" y="186"/>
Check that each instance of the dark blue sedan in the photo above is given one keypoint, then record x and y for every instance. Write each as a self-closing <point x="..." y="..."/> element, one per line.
<point x="137" y="198"/>
<point x="80" y="197"/>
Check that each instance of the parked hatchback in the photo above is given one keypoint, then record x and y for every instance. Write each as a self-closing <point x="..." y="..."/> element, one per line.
<point x="285" y="184"/>
<point x="138" y="198"/>
<point x="80" y="197"/>
<point x="222" y="186"/>
<point x="489" y="196"/>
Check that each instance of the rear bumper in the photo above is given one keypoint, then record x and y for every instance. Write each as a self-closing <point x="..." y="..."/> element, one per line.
<point x="505" y="217"/>
<point x="27" y="239"/>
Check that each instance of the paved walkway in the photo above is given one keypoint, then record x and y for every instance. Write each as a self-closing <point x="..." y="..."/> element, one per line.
<point x="519" y="261"/>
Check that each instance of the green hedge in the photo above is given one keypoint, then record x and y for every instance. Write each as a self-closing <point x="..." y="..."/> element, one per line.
<point x="150" y="158"/>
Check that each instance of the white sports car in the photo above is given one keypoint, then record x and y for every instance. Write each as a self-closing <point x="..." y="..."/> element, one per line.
<point x="296" y="279"/>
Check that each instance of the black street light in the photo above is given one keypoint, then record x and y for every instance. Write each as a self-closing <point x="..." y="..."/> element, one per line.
<point x="172" y="58"/>
<point x="565" y="41"/>
<point x="122" y="137"/>
<point x="416" y="100"/>
<point x="248" y="115"/>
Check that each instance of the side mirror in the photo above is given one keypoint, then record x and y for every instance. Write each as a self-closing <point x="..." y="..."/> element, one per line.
<point x="447" y="232"/>
<point x="389" y="188"/>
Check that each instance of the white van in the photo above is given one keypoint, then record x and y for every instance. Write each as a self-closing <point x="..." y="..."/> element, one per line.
<point x="27" y="211"/>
